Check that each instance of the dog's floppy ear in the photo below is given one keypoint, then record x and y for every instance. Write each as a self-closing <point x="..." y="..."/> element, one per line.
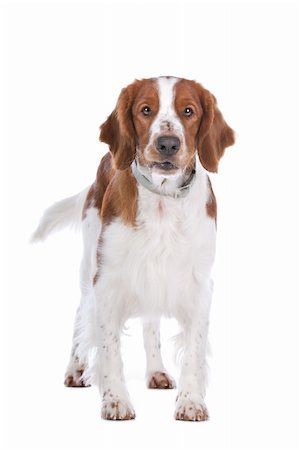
<point x="214" y="134"/>
<point x="118" y="131"/>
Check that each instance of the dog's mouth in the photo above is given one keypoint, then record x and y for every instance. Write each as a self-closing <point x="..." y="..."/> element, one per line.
<point x="166" y="166"/>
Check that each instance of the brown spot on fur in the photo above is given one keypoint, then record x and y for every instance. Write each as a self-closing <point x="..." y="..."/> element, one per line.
<point x="161" y="380"/>
<point x="212" y="204"/>
<point x="98" y="258"/>
<point x="96" y="277"/>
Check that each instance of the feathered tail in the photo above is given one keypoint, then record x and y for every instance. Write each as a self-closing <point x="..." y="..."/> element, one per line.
<point x="66" y="212"/>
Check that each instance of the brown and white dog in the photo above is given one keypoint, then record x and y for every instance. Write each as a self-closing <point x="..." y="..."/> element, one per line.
<point x="149" y="229"/>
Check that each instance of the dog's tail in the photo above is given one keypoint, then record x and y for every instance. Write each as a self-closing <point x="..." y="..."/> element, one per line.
<point x="66" y="212"/>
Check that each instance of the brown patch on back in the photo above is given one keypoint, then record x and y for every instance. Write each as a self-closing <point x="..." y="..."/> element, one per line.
<point x="105" y="174"/>
<point x="120" y="199"/>
<point x="114" y="193"/>
<point x="97" y="190"/>
<point x="212" y="203"/>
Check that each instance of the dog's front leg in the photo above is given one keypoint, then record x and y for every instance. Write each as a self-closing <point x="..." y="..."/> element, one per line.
<point x="190" y="403"/>
<point x="116" y="403"/>
<point x="156" y="374"/>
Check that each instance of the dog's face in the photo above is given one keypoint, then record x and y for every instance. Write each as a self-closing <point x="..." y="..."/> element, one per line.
<point x="166" y="119"/>
<point x="163" y="122"/>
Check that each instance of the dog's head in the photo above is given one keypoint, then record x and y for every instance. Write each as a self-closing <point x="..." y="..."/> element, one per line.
<point x="162" y="123"/>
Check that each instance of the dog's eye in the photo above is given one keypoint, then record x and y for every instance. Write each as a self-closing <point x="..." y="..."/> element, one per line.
<point x="188" y="112"/>
<point x="146" y="111"/>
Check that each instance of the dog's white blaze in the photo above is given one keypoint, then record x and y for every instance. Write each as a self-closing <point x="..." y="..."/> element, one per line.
<point x="166" y="95"/>
<point x="166" y="111"/>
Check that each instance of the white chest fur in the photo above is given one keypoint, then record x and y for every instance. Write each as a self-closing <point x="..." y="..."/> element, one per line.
<point x="156" y="268"/>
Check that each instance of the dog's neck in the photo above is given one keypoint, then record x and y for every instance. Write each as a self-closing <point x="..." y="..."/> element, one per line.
<point x="176" y="187"/>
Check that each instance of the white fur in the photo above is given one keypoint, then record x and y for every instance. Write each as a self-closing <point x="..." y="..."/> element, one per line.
<point x="167" y="116"/>
<point x="61" y="214"/>
<point x="151" y="337"/>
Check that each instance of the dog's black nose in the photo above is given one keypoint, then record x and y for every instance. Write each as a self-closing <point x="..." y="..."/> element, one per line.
<point x="168" y="145"/>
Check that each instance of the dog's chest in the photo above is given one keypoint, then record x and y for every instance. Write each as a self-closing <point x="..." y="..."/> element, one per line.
<point x="160" y="260"/>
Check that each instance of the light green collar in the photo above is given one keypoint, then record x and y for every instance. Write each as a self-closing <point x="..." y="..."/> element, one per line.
<point x="180" y="192"/>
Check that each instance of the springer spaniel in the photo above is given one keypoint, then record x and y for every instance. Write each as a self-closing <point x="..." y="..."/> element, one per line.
<point x="149" y="229"/>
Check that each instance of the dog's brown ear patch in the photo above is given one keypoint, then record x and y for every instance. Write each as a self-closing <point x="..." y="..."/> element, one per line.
<point x="214" y="134"/>
<point x="118" y="131"/>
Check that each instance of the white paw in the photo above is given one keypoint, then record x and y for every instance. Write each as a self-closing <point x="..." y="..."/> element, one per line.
<point x="189" y="409"/>
<point x="114" y="408"/>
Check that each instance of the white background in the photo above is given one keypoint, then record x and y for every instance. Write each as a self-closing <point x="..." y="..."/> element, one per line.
<point x="65" y="64"/>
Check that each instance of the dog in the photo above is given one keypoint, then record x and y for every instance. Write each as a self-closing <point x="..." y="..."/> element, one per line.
<point x="149" y="230"/>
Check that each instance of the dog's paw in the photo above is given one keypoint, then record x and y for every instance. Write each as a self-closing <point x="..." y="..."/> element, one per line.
<point x="192" y="410"/>
<point x="160" y="380"/>
<point x="74" y="378"/>
<point x="116" y="409"/>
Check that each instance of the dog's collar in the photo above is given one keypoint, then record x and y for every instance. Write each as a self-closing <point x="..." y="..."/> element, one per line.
<point x="180" y="192"/>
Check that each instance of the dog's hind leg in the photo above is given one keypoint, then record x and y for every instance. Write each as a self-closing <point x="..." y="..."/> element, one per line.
<point x="84" y="327"/>
<point x="76" y="366"/>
